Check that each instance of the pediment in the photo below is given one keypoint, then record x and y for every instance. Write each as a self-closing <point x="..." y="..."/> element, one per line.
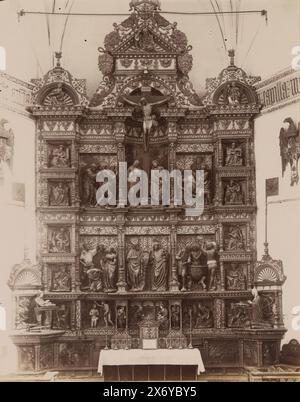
<point x="144" y="40"/>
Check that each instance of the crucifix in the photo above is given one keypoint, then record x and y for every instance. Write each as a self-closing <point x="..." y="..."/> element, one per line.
<point x="145" y="102"/>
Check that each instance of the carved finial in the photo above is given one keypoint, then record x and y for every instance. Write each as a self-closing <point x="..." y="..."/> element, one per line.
<point x="266" y="255"/>
<point x="26" y="254"/>
<point x="58" y="56"/>
<point x="231" y="54"/>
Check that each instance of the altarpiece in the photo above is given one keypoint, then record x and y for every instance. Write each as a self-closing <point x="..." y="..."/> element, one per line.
<point x="105" y="273"/>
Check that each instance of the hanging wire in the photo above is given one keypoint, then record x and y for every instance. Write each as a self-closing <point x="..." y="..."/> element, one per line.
<point x="219" y="24"/>
<point x="65" y="24"/>
<point x="38" y="64"/>
<point x="48" y="25"/>
<point x="232" y="25"/>
<point x="238" y="7"/>
<point x="223" y="20"/>
<point x="23" y="12"/>
<point x="252" y="42"/>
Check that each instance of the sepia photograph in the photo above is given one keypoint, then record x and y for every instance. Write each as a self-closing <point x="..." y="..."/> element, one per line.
<point x="149" y="194"/>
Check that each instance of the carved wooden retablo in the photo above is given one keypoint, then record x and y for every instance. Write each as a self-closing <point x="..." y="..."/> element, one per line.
<point x="107" y="269"/>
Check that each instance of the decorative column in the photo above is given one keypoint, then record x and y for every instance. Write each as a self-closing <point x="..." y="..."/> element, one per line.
<point x="78" y="316"/>
<point x="119" y="132"/>
<point x="121" y="284"/>
<point x="174" y="284"/>
<point x="222" y="276"/>
<point x="172" y="166"/>
<point x="249" y="276"/>
<point x="219" y="314"/>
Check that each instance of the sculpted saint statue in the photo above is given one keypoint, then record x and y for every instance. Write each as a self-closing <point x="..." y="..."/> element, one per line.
<point x="233" y="94"/>
<point x="257" y="311"/>
<point x="182" y="258"/>
<point x="133" y="172"/>
<point x="90" y="270"/>
<point x="89" y="175"/>
<point x="159" y="260"/>
<point x="109" y="269"/>
<point x="162" y="316"/>
<point x="137" y="260"/>
<point x="210" y="250"/>
<point x="41" y="302"/>
<point x="94" y="314"/>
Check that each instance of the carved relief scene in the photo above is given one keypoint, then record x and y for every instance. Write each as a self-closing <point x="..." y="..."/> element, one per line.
<point x="202" y="162"/>
<point x="198" y="263"/>
<point x="98" y="264"/>
<point x="89" y="166"/>
<point x="59" y="155"/>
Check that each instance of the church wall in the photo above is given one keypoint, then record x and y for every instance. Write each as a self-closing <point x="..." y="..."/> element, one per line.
<point x="284" y="210"/>
<point x="17" y="205"/>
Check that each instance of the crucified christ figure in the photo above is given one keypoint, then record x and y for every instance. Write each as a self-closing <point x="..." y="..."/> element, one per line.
<point x="150" y="120"/>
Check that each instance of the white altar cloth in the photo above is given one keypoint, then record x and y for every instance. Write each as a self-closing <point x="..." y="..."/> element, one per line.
<point x="156" y="357"/>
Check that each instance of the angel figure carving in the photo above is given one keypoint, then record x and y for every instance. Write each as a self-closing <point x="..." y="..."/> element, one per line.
<point x="150" y="122"/>
<point x="290" y="149"/>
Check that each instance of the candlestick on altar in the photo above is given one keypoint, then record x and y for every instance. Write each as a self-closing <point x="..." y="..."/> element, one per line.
<point x="106" y="336"/>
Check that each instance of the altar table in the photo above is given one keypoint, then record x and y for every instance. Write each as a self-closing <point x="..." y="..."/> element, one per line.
<point x="155" y="361"/>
